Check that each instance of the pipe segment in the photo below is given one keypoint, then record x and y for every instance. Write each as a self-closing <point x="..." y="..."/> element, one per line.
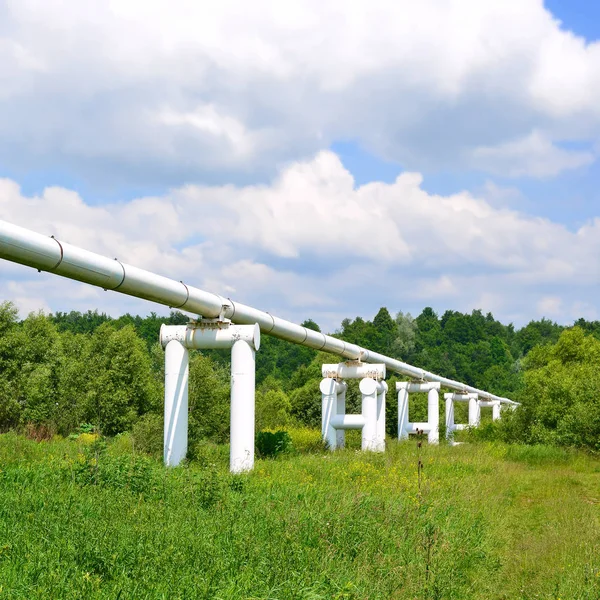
<point x="31" y="249"/>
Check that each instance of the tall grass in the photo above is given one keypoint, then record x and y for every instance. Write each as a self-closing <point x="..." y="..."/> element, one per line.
<point x="488" y="521"/>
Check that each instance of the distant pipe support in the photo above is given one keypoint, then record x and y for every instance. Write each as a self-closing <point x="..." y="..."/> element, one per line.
<point x="496" y="410"/>
<point x="403" y="423"/>
<point x="340" y="434"/>
<point x="433" y="415"/>
<point x="405" y="427"/>
<point x="370" y="389"/>
<point x="474" y="411"/>
<point x="449" y="415"/>
<point x="380" y="442"/>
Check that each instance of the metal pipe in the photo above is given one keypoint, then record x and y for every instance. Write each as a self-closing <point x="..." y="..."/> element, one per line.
<point x="342" y="422"/>
<point x="48" y="254"/>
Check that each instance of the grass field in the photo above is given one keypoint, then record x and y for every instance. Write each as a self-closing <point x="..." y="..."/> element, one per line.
<point x="489" y="522"/>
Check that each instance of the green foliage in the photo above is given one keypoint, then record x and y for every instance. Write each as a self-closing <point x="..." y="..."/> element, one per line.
<point x="206" y="454"/>
<point x="273" y="407"/>
<point x="208" y="399"/>
<point x="272" y="443"/>
<point x="561" y="395"/>
<point x="61" y="370"/>
<point x="147" y="434"/>
<point x="122" y="386"/>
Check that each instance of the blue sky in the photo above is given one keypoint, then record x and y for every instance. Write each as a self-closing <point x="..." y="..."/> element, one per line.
<point x="315" y="159"/>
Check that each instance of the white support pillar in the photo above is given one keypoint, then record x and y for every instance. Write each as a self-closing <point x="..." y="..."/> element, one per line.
<point x="241" y="448"/>
<point x="333" y="397"/>
<point x="402" y="411"/>
<point x="449" y="415"/>
<point x="243" y="340"/>
<point x="176" y="403"/>
<point x="340" y="437"/>
<point x="334" y="420"/>
<point x="495" y="410"/>
<point x="433" y="414"/>
<point x="474" y="410"/>
<point x="432" y="425"/>
<point x="380" y="443"/>
<point x="369" y="389"/>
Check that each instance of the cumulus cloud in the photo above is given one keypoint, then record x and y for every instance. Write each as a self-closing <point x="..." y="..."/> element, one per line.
<point x="534" y="155"/>
<point x="178" y="91"/>
<point x="312" y="243"/>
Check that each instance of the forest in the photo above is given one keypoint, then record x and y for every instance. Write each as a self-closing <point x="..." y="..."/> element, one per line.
<point x="61" y="372"/>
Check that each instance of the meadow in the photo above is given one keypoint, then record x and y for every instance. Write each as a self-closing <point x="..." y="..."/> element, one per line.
<point x="86" y="518"/>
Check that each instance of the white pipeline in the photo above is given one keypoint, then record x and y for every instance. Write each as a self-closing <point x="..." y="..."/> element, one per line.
<point x="49" y="254"/>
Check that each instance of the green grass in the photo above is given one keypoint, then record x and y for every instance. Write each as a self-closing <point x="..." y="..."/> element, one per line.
<point x="490" y="522"/>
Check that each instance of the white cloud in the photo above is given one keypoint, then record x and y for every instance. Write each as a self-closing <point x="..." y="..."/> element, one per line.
<point x="550" y="306"/>
<point x="180" y="90"/>
<point x="312" y="243"/>
<point x="534" y="155"/>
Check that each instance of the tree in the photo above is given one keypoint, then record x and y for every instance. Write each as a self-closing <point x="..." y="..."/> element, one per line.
<point x="121" y="386"/>
<point x="561" y="393"/>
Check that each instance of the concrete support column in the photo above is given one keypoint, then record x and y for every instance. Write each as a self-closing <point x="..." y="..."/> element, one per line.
<point x="241" y="454"/>
<point x="333" y="403"/>
<point x="474" y="411"/>
<point x="340" y="435"/>
<point x="433" y="415"/>
<point x="380" y="443"/>
<point x="495" y="410"/>
<point x="449" y="415"/>
<point x="176" y="403"/>
<point x="402" y="412"/>
<point x="369" y="389"/>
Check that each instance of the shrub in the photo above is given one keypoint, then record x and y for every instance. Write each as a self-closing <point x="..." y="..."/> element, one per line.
<point x="147" y="434"/>
<point x="207" y="453"/>
<point x="39" y="432"/>
<point x="306" y="440"/>
<point x="272" y="443"/>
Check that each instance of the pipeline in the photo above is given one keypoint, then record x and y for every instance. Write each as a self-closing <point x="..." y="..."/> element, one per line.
<point x="26" y="247"/>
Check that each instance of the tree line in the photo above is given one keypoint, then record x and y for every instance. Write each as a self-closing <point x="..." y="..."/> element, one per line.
<point x="60" y="370"/>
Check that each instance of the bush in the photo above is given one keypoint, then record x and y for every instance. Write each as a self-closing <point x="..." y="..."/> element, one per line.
<point x="207" y="453"/>
<point x="147" y="434"/>
<point x="306" y="440"/>
<point x="272" y="443"/>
